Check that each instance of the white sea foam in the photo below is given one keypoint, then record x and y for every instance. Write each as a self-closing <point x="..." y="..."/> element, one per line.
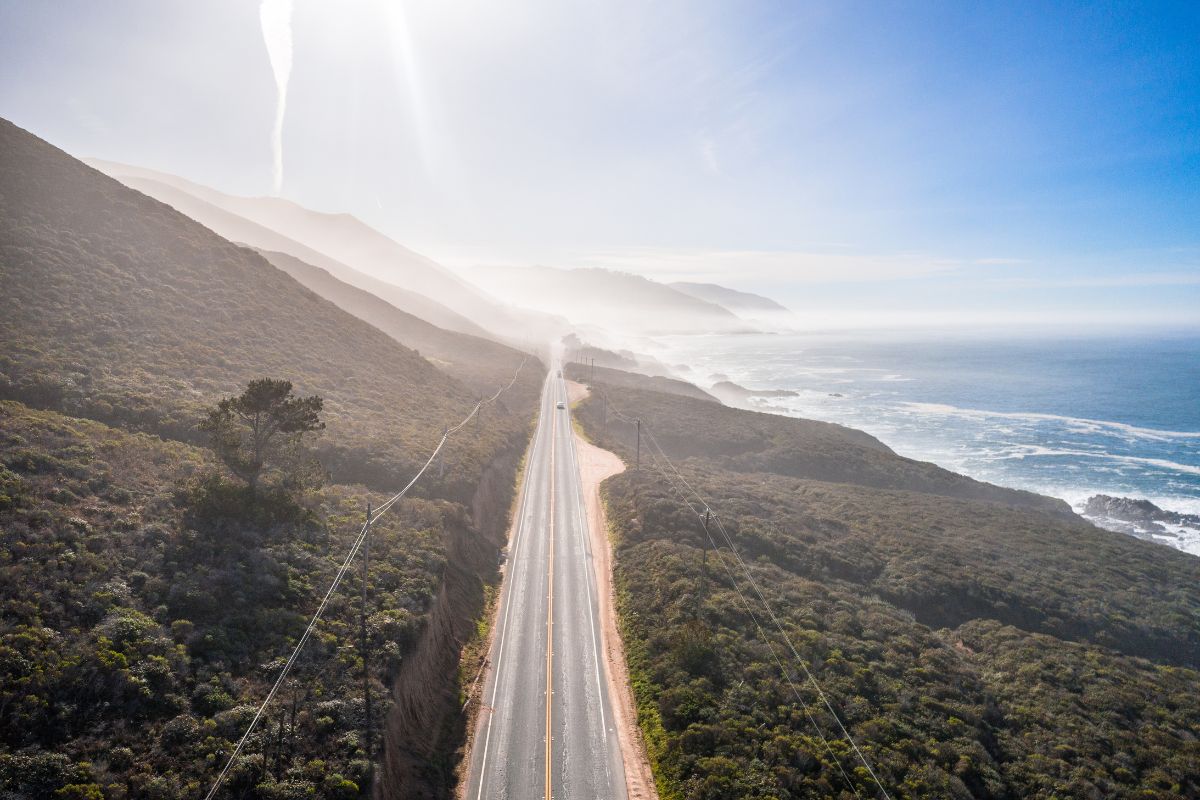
<point x="1079" y="425"/>
<point x="1034" y="450"/>
<point x="1181" y="537"/>
<point x="1185" y="539"/>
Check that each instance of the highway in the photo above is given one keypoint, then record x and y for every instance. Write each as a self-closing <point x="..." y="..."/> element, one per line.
<point x="546" y="726"/>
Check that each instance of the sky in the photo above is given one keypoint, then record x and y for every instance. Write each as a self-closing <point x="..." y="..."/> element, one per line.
<point x="862" y="162"/>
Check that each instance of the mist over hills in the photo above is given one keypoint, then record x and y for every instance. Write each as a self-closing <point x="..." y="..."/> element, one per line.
<point x="340" y="236"/>
<point x="535" y="303"/>
<point x="736" y="301"/>
<point x="346" y="247"/>
<point x="122" y="308"/>
<point x="235" y="228"/>
<point x="609" y="299"/>
<point x="478" y="362"/>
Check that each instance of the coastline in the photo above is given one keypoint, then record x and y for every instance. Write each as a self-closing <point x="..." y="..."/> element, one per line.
<point x="1056" y="443"/>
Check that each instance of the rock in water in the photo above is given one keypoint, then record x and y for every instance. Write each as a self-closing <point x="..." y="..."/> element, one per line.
<point x="1136" y="512"/>
<point x="1123" y="508"/>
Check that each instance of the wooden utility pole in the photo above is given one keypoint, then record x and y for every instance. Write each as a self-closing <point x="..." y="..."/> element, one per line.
<point x="704" y="565"/>
<point x="638" y="463"/>
<point x="366" y="676"/>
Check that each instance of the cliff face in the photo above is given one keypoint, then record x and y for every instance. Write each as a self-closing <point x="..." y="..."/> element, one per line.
<point x="426" y="727"/>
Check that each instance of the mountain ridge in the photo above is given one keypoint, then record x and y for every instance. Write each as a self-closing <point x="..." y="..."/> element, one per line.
<point x="449" y="300"/>
<point x="618" y="301"/>
<point x="242" y="231"/>
<point x="734" y="299"/>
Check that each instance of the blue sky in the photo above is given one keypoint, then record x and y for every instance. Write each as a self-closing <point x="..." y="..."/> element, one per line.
<point x="945" y="162"/>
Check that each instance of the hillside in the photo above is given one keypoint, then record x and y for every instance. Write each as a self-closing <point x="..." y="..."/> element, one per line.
<point x="242" y="231"/>
<point x="618" y="378"/>
<point x="343" y="239"/>
<point x="140" y="630"/>
<point x="481" y="364"/>
<point x="120" y="308"/>
<point x="755" y="442"/>
<point x="340" y="236"/>
<point x="607" y="299"/>
<point x="733" y="299"/>
<point x="976" y="642"/>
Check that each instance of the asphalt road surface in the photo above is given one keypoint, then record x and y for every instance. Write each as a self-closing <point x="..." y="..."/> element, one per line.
<point x="546" y="728"/>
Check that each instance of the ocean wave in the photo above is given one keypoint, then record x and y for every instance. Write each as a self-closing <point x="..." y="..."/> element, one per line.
<point x="1035" y="451"/>
<point x="1080" y="424"/>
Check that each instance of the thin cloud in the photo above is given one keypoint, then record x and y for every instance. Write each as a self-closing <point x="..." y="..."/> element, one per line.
<point x="708" y="153"/>
<point x="1000" y="262"/>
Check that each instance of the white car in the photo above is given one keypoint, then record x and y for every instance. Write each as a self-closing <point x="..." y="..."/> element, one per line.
<point x="560" y="404"/>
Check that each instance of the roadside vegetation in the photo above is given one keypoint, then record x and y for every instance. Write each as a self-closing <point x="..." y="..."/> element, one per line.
<point x="145" y="616"/>
<point x="976" y="642"/>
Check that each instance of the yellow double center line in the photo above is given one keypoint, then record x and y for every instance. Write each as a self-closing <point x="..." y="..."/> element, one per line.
<point x="550" y="604"/>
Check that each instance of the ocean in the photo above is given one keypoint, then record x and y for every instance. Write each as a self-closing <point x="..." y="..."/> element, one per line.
<point x="1069" y="417"/>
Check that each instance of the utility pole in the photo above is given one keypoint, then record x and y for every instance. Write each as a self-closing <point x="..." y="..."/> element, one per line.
<point x="593" y="378"/>
<point x="604" y="414"/>
<point x="366" y="676"/>
<point x="704" y="565"/>
<point x="638" y="463"/>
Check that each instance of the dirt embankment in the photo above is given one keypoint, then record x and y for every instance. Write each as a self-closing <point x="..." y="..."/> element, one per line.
<point x="426" y="728"/>
<point x="595" y="465"/>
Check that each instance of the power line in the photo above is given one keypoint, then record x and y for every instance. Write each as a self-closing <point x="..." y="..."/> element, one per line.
<point x="363" y="532"/>
<point x="758" y="626"/>
<point x="771" y="612"/>
<point x="287" y="667"/>
<point x="653" y="441"/>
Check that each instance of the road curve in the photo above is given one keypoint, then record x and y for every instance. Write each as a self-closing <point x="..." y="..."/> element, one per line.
<point x="546" y="727"/>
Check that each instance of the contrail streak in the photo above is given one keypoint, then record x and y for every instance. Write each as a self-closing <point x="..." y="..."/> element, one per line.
<point x="276" y="17"/>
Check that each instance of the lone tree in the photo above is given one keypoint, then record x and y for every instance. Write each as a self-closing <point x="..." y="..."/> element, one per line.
<point x="263" y="424"/>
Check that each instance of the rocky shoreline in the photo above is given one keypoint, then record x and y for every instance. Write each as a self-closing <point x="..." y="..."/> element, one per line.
<point x="1145" y="520"/>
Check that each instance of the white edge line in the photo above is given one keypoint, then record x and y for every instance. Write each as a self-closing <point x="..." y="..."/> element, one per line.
<point x="500" y="634"/>
<point x="594" y="594"/>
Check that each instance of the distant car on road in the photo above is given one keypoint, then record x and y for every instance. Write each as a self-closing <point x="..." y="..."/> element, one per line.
<point x="560" y="404"/>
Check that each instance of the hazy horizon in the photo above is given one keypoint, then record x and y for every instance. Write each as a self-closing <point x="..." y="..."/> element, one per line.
<point x="865" y="166"/>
